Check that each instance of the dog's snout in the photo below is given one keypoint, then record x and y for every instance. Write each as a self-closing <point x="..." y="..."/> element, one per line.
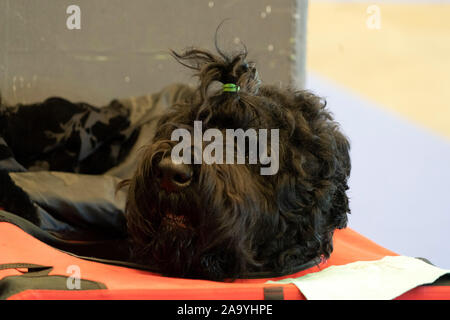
<point x="174" y="176"/>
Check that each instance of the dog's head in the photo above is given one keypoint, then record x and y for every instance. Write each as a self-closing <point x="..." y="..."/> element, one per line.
<point x="272" y="208"/>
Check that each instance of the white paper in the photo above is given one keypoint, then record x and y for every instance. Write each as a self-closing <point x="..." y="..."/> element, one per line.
<point x="383" y="279"/>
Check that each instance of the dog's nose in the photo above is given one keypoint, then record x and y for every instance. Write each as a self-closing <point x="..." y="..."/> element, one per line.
<point x="174" y="176"/>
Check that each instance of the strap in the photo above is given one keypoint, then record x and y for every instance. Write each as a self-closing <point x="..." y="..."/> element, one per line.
<point x="33" y="266"/>
<point x="273" y="293"/>
<point x="34" y="270"/>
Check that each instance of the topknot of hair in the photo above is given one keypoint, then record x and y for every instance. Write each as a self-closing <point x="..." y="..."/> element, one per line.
<point x="221" y="67"/>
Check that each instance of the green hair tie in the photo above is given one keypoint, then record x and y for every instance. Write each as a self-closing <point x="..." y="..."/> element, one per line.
<point x="230" y="87"/>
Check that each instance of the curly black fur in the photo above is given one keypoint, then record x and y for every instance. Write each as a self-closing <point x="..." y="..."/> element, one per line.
<point x="232" y="221"/>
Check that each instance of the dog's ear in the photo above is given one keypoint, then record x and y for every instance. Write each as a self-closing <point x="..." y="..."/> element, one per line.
<point x="324" y="160"/>
<point x="329" y="166"/>
<point x="340" y="203"/>
<point x="317" y="155"/>
<point x="332" y="149"/>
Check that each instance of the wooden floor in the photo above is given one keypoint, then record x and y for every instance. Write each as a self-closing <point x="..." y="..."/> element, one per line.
<point x="403" y="66"/>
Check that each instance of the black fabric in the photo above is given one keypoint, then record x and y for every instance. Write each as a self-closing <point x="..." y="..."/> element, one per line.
<point x="106" y="249"/>
<point x="59" y="135"/>
<point x="60" y="163"/>
<point x="442" y="281"/>
<point x="74" y="206"/>
<point x="14" y="199"/>
<point x="5" y="153"/>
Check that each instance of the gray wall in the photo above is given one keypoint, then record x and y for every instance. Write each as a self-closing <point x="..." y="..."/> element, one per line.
<point x="122" y="47"/>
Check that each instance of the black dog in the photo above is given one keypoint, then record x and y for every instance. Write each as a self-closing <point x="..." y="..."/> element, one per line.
<point x="219" y="221"/>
